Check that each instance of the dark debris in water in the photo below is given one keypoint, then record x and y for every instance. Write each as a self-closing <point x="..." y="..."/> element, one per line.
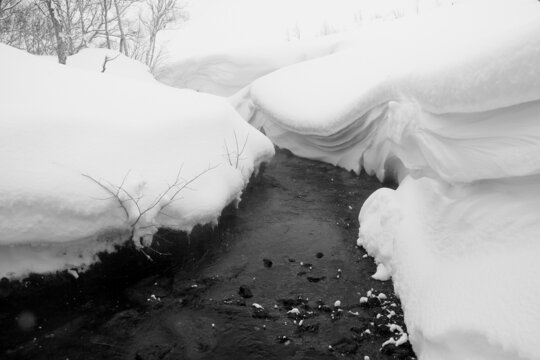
<point x="245" y="292"/>
<point x="203" y="305"/>
<point x="267" y="263"/>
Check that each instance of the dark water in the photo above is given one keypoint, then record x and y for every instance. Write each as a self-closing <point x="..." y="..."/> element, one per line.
<point x="291" y="244"/>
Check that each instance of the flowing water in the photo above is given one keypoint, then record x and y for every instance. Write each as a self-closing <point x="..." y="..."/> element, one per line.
<point x="290" y="245"/>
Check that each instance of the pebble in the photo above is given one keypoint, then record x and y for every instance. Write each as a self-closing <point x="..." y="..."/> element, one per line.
<point x="267" y="263"/>
<point x="245" y="292"/>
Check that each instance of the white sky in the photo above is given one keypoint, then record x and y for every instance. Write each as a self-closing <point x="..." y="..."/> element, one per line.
<point x="218" y="24"/>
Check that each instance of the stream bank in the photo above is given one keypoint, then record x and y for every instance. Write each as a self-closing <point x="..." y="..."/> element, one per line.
<point x="261" y="285"/>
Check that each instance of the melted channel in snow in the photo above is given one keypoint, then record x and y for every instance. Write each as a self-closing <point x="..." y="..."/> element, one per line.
<point x="450" y="107"/>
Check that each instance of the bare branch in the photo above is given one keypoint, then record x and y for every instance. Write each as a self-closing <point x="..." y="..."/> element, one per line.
<point x="114" y="195"/>
<point x="107" y="59"/>
<point x="163" y="200"/>
<point x="187" y="183"/>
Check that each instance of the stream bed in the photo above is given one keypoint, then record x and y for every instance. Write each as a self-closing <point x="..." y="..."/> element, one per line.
<point x="261" y="285"/>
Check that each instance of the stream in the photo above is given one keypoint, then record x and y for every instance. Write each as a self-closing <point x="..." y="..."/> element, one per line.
<point x="261" y="285"/>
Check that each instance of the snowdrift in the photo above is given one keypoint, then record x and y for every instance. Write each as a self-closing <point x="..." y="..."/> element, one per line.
<point x="464" y="261"/>
<point x="449" y="106"/>
<point x="340" y="105"/>
<point x="225" y="72"/>
<point x="110" y="62"/>
<point x="90" y="160"/>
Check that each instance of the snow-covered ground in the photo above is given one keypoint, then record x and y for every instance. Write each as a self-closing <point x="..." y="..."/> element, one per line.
<point x="449" y="105"/>
<point x="90" y="159"/>
<point x="226" y="72"/>
<point x="112" y="62"/>
<point x="226" y="45"/>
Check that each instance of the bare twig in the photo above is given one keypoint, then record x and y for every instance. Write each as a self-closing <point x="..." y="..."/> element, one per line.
<point x="160" y="203"/>
<point x="114" y="195"/>
<point x="107" y="59"/>
<point x="239" y="152"/>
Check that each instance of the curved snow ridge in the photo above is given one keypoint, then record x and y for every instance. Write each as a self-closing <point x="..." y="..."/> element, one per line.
<point x="356" y="146"/>
<point x="110" y="62"/>
<point x="85" y="154"/>
<point x="439" y="108"/>
<point x="228" y="71"/>
<point x="397" y="138"/>
<point x="466" y="147"/>
<point x="463" y="260"/>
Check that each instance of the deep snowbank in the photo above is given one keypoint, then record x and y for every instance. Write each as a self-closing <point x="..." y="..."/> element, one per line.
<point x="225" y="72"/>
<point x="110" y="62"/>
<point x="407" y="72"/>
<point x="464" y="260"/>
<point x="86" y="155"/>
<point x="226" y="45"/>
<point x="452" y="112"/>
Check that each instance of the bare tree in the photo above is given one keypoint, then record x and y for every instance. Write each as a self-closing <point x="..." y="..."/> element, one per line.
<point x="105" y="6"/>
<point x="123" y="45"/>
<point x="6" y="7"/>
<point x="58" y="31"/>
<point x="161" y="13"/>
<point x="63" y="27"/>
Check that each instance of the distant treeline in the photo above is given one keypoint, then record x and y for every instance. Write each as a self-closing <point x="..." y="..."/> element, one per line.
<point x="63" y="27"/>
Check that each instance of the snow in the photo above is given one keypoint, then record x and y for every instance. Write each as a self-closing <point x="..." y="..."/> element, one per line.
<point x="294" y="311"/>
<point x="117" y="64"/>
<point x="363" y="300"/>
<point x="225" y="72"/>
<point x="382" y="273"/>
<point x="227" y="45"/>
<point x="451" y="113"/>
<point x="446" y="104"/>
<point x="464" y="264"/>
<point x="402" y="71"/>
<point x="91" y="160"/>
<point x="217" y="24"/>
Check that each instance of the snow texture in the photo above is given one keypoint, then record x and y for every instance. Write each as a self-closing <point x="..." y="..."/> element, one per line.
<point x="451" y="112"/>
<point x="338" y="108"/>
<point x="226" y="45"/>
<point x="90" y="160"/>
<point x="227" y="71"/>
<point x="115" y="63"/>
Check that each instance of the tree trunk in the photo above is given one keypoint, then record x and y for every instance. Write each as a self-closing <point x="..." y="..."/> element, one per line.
<point x="83" y="28"/>
<point x="150" y="54"/>
<point x="58" y="32"/>
<point x="68" y="17"/>
<point x="106" y="23"/>
<point x="123" y="45"/>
